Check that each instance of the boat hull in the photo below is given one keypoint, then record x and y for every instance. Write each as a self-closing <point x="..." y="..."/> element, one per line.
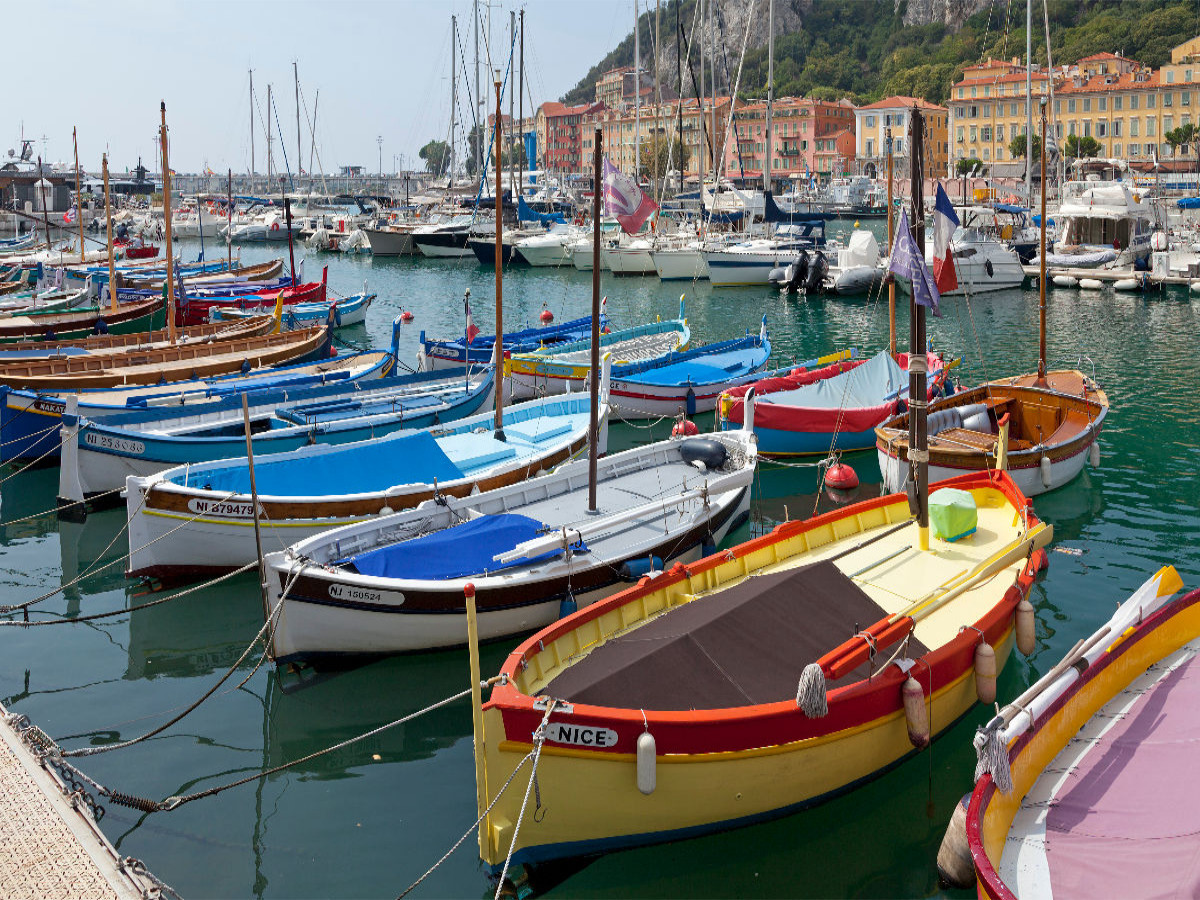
<point x="733" y="269"/>
<point x="318" y="622"/>
<point x="628" y="260"/>
<point x="386" y="242"/>
<point x="545" y="254"/>
<point x="679" y="264"/>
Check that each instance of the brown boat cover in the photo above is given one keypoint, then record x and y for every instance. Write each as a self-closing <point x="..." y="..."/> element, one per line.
<point x="742" y="646"/>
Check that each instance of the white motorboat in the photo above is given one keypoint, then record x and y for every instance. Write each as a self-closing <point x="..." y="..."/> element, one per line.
<point x="629" y="256"/>
<point x="552" y="248"/>
<point x="1102" y="223"/>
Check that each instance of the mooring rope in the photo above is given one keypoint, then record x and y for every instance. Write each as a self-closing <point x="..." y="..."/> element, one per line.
<point x="539" y="738"/>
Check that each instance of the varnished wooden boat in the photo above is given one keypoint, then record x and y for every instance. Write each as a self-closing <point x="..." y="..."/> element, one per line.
<point x="129" y="318"/>
<point x="1040" y="435"/>
<point x="100" y="344"/>
<point x="1086" y="783"/>
<point x="140" y="365"/>
<point x="676" y="709"/>
<point x="257" y="272"/>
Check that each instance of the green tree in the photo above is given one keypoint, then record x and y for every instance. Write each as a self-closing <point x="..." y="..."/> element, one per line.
<point x="660" y="155"/>
<point x="1016" y="146"/>
<point x="964" y="166"/>
<point x="1081" y="147"/>
<point x="437" y="157"/>
<point x="1180" y="137"/>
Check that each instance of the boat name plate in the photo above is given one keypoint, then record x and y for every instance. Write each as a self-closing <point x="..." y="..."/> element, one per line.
<point x="580" y="735"/>
<point x="352" y="594"/>
<point x="225" y="508"/>
<point x="108" y="442"/>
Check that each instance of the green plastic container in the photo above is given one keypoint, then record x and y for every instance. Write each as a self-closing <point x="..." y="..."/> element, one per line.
<point x="953" y="514"/>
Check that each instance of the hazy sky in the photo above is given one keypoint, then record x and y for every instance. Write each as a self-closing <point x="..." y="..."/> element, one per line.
<point x="382" y="68"/>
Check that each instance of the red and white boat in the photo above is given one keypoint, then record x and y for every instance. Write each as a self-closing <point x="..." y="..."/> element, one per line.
<point x="196" y="308"/>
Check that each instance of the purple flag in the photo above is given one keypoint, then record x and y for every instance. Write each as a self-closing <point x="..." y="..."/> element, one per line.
<point x="908" y="263"/>
<point x="625" y="200"/>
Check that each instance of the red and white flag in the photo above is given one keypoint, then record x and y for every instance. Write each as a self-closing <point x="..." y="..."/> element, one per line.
<point x="625" y="200"/>
<point x="945" y="220"/>
<point x="70" y="214"/>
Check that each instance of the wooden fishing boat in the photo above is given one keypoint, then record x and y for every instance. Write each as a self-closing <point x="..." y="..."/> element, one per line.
<point x="267" y="271"/>
<point x="1041" y="435"/>
<point x="1085" y="786"/>
<point x="835" y="406"/>
<point x="30" y="421"/>
<point x="129" y="318"/>
<point x="450" y="354"/>
<point x="676" y="707"/>
<point x="194" y="310"/>
<point x="762" y="679"/>
<point x="533" y="551"/>
<point x="198" y="520"/>
<point x="175" y="362"/>
<point x="689" y="382"/>
<point x="564" y="367"/>
<point x="16" y="304"/>
<point x="99" y="454"/>
<point x="100" y="344"/>
<point x="345" y="311"/>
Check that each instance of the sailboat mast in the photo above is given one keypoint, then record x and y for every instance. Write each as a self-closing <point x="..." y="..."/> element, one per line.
<point x="637" y="95"/>
<point x="478" y="96"/>
<point x="453" y="88"/>
<point x="296" y="77"/>
<point x="499" y="278"/>
<point x="1041" y="379"/>
<point x="78" y="193"/>
<point x="251" y="130"/>
<point x="658" y="129"/>
<point x="1029" y="102"/>
<point x="521" y="111"/>
<point x="679" y="102"/>
<point x="593" y="425"/>
<point x="918" y="439"/>
<point x="891" y="229"/>
<point x="512" y="188"/>
<point x="267" y="126"/>
<point x="770" y="94"/>
<point x="166" y="176"/>
<point x="712" y="106"/>
<point x="700" y="167"/>
<point x="112" y="269"/>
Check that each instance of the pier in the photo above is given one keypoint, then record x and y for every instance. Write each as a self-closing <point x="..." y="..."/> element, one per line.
<point x="1148" y="279"/>
<point x="53" y="845"/>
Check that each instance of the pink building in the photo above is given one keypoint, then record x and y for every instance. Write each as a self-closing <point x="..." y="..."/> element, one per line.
<point x="808" y="139"/>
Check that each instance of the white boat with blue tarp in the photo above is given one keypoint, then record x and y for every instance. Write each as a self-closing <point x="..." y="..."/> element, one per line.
<point x="99" y="454"/>
<point x="532" y="551"/>
<point x="197" y="520"/>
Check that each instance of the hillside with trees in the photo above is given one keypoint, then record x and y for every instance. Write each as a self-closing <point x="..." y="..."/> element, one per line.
<point x="864" y="50"/>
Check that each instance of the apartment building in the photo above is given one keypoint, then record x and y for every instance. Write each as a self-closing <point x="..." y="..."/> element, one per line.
<point x="620" y="131"/>
<point x="810" y="138"/>
<point x="874" y="122"/>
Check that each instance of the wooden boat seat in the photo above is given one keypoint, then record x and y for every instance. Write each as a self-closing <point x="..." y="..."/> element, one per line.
<point x="959" y="437"/>
<point x="1074" y="423"/>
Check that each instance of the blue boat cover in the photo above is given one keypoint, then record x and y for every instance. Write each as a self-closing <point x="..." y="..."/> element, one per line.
<point x="361" y="467"/>
<point x="866" y="386"/>
<point x="714" y="368"/>
<point x="527" y="214"/>
<point x="454" y="552"/>
<point x="1188" y="202"/>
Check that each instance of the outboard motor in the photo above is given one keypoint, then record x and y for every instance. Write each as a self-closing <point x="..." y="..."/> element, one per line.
<point x="818" y="269"/>
<point x="792" y="277"/>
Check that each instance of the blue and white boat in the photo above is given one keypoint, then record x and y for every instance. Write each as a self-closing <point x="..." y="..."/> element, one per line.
<point x="454" y="353"/>
<point x="690" y="382"/>
<point x="30" y="420"/>
<point x="351" y="310"/>
<point x="198" y="520"/>
<point x="99" y="454"/>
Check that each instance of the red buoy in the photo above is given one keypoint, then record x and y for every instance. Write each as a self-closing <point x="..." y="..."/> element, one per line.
<point x="546" y="316"/>
<point x="407" y="316"/>
<point x="684" y="428"/>
<point x="841" y="477"/>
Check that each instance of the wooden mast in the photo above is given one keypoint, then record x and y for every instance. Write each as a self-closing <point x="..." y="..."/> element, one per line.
<point x="112" y="269"/>
<point x="1041" y="379"/>
<point x="891" y="235"/>
<point x="499" y="280"/>
<point x="166" y="175"/>
<point x="918" y="439"/>
<point x="593" y="425"/>
<point x="45" y="210"/>
<point x="78" y="193"/>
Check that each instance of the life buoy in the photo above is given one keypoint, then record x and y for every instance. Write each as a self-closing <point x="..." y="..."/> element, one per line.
<point x="274" y="226"/>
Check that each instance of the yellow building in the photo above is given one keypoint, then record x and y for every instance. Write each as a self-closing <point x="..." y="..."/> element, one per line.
<point x="1126" y="107"/>
<point x="873" y="123"/>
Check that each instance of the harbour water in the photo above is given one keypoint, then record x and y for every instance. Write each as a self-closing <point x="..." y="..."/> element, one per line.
<point x="367" y="820"/>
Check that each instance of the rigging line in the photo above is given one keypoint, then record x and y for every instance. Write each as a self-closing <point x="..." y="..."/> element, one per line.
<point x="282" y="144"/>
<point x="95" y="750"/>
<point x="130" y="609"/>
<point x="731" y="119"/>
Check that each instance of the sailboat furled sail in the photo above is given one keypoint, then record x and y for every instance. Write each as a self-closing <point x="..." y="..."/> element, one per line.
<point x="625" y="200"/>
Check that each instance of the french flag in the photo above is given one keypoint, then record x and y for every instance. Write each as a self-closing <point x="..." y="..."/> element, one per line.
<point x="472" y="328"/>
<point x="945" y="220"/>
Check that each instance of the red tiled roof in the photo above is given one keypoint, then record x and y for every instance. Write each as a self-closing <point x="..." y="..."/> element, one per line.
<point x="1100" y="56"/>
<point x="1001" y="79"/>
<point x="1123" y="82"/>
<point x="903" y="103"/>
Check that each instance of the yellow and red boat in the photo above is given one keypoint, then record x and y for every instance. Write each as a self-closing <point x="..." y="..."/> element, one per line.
<point x="753" y="683"/>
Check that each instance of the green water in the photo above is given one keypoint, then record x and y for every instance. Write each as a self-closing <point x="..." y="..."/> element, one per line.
<point x="367" y="820"/>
